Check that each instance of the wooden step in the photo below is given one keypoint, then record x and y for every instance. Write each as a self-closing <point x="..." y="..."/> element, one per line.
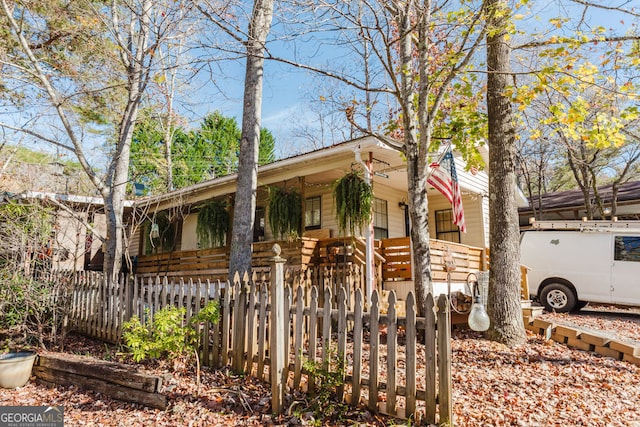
<point x="530" y="311"/>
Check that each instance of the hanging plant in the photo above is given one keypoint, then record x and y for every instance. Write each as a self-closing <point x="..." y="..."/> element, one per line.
<point x="213" y="224"/>
<point x="160" y="233"/>
<point x="285" y="212"/>
<point x="352" y="196"/>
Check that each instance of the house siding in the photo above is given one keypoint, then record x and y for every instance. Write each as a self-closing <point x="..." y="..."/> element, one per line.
<point x="473" y="215"/>
<point x="189" y="239"/>
<point x="70" y="241"/>
<point x="134" y="242"/>
<point x="394" y="212"/>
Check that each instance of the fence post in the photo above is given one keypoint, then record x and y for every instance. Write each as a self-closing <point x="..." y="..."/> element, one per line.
<point x="277" y="351"/>
<point x="430" y="360"/>
<point x="444" y="362"/>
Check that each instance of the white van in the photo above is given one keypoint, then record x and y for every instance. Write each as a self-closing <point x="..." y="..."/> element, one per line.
<point x="574" y="262"/>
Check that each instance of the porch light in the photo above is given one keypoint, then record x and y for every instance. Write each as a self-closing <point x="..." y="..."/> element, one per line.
<point x="478" y="317"/>
<point x="155" y="231"/>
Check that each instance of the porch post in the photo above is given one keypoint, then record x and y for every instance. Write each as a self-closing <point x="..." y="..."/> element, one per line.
<point x="369" y="241"/>
<point x="368" y="232"/>
<point x="278" y="328"/>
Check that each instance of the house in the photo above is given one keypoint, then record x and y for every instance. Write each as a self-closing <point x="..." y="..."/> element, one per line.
<point x="75" y="221"/>
<point x="569" y="205"/>
<point x="312" y="175"/>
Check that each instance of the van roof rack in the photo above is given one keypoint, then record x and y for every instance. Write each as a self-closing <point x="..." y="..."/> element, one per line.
<point x="585" y="225"/>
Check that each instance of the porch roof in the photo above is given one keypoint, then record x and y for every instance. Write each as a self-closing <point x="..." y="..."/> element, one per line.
<point x="318" y="167"/>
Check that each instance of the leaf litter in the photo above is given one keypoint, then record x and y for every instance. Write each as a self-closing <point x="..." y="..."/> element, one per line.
<point x="542" y="383"/>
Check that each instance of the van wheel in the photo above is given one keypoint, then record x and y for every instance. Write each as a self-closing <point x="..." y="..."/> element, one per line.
<point x="558" y="297"/>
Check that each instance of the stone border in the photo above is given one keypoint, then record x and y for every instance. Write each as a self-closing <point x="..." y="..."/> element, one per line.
<point x="585" y="340"/>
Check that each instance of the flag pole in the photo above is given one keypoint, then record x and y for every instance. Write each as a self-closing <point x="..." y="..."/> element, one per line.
<point x="440" y="157"/>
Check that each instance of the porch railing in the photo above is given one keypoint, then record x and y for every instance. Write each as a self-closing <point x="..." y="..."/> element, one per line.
<point x="213" y="263"/>
<point x="397" y="255"/>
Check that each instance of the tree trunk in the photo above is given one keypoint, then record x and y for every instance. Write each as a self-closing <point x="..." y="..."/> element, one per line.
<point x="245" y="203"/>
<point x="117" y="191"/>
<point x="504" y="282"/>
<point x="415" y="147"/>
<point x="118" y="173"/>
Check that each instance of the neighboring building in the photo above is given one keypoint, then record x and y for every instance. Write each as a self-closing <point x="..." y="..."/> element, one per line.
<point x="71" y="246"/>
<point x="569" y="205"/>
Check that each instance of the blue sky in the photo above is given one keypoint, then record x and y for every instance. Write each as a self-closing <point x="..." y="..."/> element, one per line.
<point x="285" y="102"/>
<point x="285" y="97"/>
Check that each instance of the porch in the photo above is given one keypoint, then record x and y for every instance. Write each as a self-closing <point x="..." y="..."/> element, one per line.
<point x="330" y="260"/>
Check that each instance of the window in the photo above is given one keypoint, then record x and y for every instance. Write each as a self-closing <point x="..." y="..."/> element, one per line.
<point x="445" y="228"/>
<point x="380" y="219"/>
<point x="627" y="248"/>
<point x="312" y="213"/>
<point x="162" y="234"/>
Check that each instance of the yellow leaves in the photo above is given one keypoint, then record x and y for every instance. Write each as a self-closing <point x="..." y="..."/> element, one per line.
<point x="557" y="22"/>
<point x="160" y="78"/>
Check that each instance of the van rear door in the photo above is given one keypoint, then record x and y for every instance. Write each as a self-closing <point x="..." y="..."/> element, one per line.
<point x="625" y="274"/>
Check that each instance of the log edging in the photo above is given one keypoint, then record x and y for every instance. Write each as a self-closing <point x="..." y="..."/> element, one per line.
<point x="113" y="379"/>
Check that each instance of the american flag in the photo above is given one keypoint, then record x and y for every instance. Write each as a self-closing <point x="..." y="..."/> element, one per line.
<point x="443" y="177"/>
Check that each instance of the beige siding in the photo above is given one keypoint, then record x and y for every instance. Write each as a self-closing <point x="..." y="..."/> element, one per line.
<point x="100" y="225"/>
<point x="134" y="243"/>
<point x="473" y="215"/>
<point x="485" y="215"/>
<point x="69" y="242"/>
<point x="395" y="213"/>
<point x="476" y="183"/>
<point x="189" y="238"/>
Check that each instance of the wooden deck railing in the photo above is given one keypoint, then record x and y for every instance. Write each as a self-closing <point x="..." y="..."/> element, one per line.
<point x="213" y="263"/>
<point x="392" y="259"/>
<point x="397" y="253"/>
<point x="468" y="259"/>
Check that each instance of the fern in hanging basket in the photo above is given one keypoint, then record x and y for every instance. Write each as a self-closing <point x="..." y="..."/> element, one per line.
<point x="285" y="212"/>
<point x="352" y="196"/>
<point x="213" y="224"/>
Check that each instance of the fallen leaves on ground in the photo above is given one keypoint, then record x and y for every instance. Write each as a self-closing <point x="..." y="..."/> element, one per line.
<point x="541" y="384"/>
<point x="538" y="384"/>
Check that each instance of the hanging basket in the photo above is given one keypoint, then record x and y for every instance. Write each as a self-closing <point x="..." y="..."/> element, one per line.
<point x="213" y="224"/>
<point x="285" y="212"/>
<point x="353" y="197"/>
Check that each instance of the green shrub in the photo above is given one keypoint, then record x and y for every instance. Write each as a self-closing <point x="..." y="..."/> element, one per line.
<point x="327" y="377"/>
<point x="168" y="334"/>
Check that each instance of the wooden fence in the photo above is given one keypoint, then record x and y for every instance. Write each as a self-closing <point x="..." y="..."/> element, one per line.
<point x="213" y="263"/>
<point x="395" y="365"/>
